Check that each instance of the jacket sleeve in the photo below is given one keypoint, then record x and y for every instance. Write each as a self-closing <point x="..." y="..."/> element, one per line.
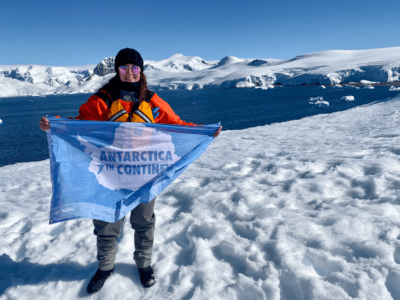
<point x="95" y="109"/>
<point x="167" y="115"/>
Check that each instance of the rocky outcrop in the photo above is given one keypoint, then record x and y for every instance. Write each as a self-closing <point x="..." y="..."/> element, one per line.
<point x="106" y="66"/>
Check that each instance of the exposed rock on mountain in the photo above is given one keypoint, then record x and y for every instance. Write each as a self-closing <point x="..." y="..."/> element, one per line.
<point x="106" y="66"/>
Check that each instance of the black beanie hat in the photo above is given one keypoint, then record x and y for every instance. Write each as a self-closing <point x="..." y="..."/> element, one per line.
<point x="128" y="56"/>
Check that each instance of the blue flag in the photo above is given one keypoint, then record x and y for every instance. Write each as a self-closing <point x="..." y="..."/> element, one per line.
<point x="102" y="170"/>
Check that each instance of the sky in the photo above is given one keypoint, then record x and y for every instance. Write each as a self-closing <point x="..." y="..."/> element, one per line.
<point x="84" y="32"/>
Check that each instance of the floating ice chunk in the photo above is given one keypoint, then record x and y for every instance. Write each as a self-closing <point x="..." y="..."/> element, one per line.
<point x="321" y="87"/>
<point x="351" y="87"/>
<point x="337" y="86"/>
<point x="368" y="87"/>
<point x="393" y="88"/>
<point x="347" y="98"/>
<point x="1" y="121"/>
<point x="315" y="99"/>
<point x="321" y="103"/>
<point x="318" y="101"/>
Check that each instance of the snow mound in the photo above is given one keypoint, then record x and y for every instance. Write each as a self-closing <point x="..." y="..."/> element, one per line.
<point x="229" y="60"/>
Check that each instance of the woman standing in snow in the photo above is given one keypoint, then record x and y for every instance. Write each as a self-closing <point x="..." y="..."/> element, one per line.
<point x="125" y="98"/>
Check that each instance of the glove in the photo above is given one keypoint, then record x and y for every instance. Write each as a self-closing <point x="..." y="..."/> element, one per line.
<point x="155" y="112"/>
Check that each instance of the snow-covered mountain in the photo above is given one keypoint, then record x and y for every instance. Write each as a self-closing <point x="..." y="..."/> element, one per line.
<point x="193" y="72"/>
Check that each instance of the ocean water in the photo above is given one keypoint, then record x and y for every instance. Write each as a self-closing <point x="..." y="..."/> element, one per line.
<point x="21" y="140"/>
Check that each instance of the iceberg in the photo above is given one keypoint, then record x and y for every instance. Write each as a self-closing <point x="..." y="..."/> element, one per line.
<point x="347" y="98"/>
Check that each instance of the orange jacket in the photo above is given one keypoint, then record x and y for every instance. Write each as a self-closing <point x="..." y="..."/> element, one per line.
<point x="95" y="109"/>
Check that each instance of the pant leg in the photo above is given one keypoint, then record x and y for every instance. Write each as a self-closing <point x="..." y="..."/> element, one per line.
<point x="107" y="238"/>
<point x="143" y="222"/>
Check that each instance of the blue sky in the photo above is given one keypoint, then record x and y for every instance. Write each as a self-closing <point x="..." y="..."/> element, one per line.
<point x="84" y="32"/>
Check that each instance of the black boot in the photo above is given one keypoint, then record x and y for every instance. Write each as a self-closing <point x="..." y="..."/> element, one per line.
<point x="97" y="282"/>
<point x="147" y="277"/>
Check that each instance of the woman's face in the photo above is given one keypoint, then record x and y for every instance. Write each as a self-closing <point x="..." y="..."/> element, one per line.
<point x="129" y="76"/>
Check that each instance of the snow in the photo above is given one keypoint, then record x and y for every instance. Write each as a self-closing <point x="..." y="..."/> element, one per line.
<point x="228" y="60"/>
<point x="367" y="82"/>
<point x="333" y="67"/>
<point x="347" y="98"/>
<point x="306" y="209"/>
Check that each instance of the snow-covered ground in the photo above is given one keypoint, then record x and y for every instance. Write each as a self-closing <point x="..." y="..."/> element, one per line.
<point x="192" y="72"/>
<point x="307" y="209"/>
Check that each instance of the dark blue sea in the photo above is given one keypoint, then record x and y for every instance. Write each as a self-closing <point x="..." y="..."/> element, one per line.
<point x="21" y="140"/>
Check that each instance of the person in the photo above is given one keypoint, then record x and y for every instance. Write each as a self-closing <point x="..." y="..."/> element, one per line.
<point x="125" y="98"/>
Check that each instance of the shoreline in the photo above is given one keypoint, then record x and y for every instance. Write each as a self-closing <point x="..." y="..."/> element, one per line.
<point x="353" y="84"/>
<point x="358" y="84"/>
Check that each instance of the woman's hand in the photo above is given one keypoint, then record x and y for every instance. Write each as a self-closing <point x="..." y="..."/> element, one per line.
<point x="217" y="132"/>
<point x="44" y="124"/>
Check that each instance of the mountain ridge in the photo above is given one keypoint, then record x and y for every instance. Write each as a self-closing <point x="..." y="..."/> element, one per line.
<point x="329" y="67"/>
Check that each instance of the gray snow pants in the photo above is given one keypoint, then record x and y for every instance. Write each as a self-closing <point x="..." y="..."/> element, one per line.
<point x="142" y="221"/>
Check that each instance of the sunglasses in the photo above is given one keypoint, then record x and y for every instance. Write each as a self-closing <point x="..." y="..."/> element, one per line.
<point x="134" y="69"/>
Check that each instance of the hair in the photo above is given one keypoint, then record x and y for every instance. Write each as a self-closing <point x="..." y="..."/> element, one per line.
<point x="143" y="91"/>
